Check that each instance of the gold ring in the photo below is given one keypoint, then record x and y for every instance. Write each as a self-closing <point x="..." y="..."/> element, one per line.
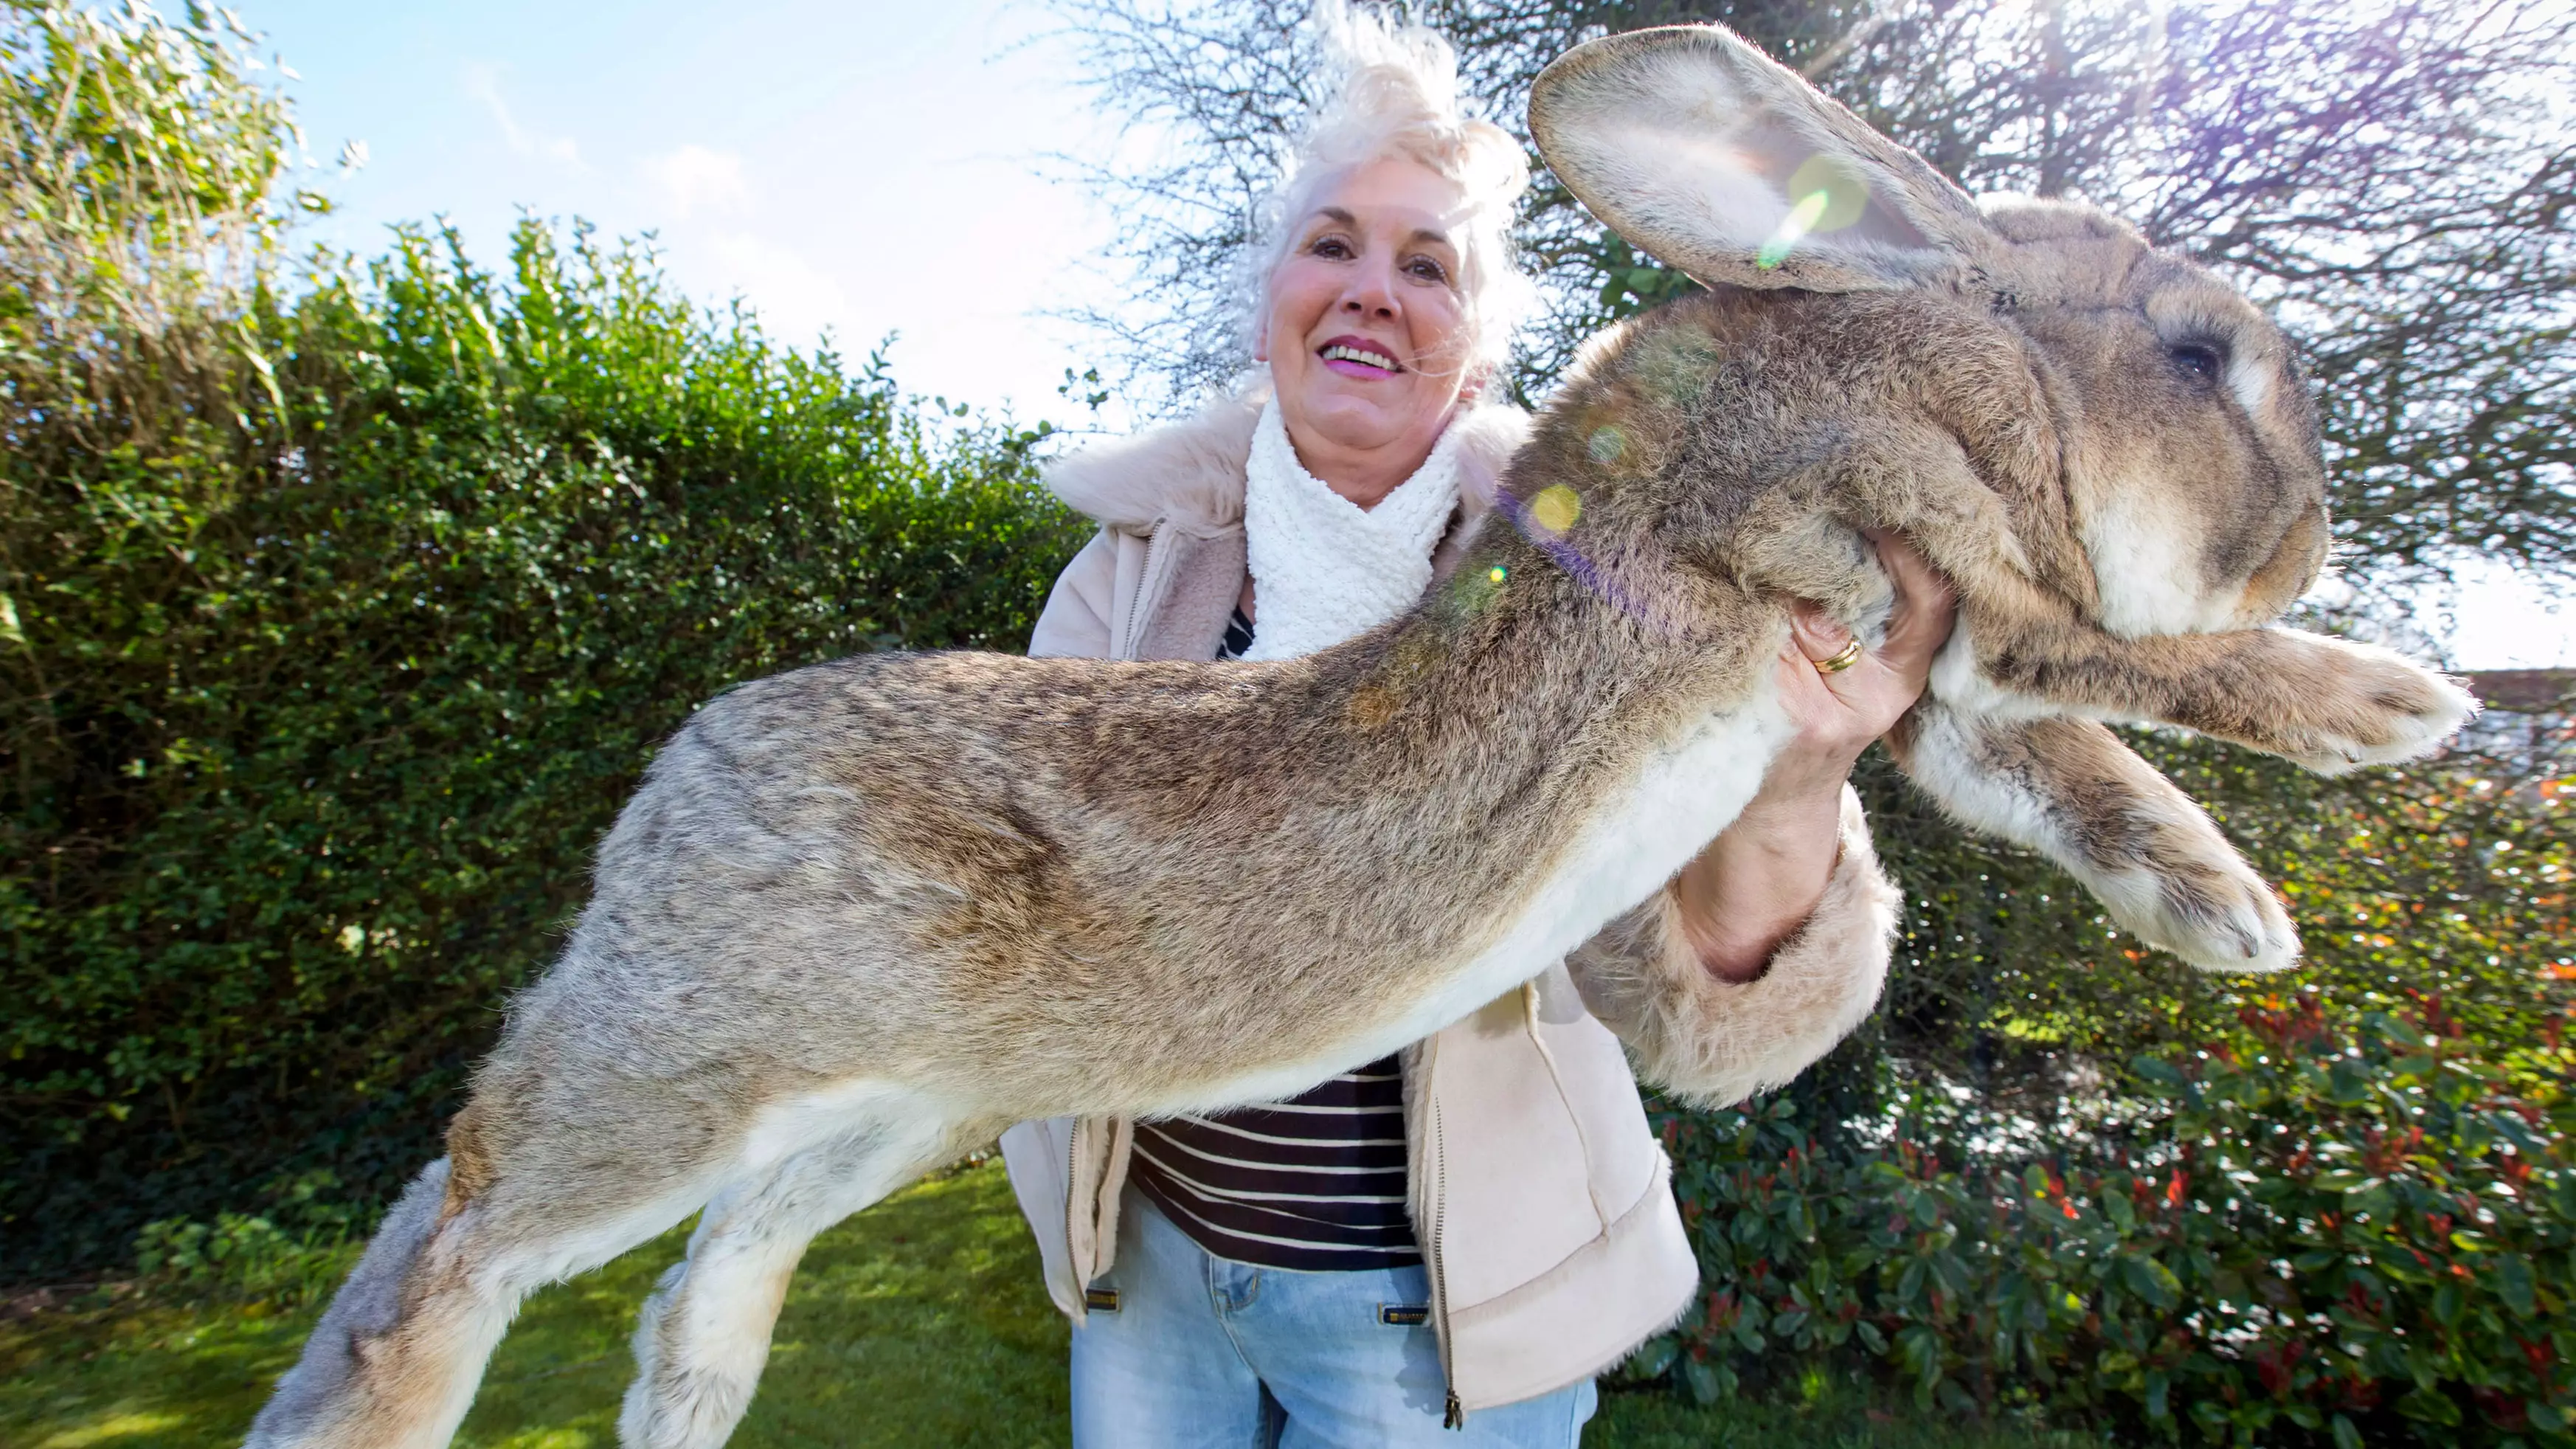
<point x="1843" y="659"/>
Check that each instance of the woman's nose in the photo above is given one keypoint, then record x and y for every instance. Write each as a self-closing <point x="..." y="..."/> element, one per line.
<point x="1371" y="293"/>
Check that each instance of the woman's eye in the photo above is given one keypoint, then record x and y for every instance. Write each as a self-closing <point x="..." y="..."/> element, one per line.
<point x="1330" y="246"/>
<point x="2198" y="361"/>
<point x="1428" y="269"/>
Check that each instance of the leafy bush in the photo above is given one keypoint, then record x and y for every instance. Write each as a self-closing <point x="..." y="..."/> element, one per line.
<point x="339" y="609"/>
<point x="240" y="1259"/>
<point x="2295" y="1238"/>
<point x="140" y="203"/>
<point x="2449" y="877"/>
<point x="312" y="716"/>
<point x="336" y="619"/>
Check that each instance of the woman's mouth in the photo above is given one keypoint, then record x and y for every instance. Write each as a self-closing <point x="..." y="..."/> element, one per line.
<point x="1354" y="357"/>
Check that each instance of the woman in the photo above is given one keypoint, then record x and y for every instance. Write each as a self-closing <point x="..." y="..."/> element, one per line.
<point x="1464" y="1234"/>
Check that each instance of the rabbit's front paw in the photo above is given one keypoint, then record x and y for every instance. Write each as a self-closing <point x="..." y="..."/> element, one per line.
<point x="2395" y="710"/>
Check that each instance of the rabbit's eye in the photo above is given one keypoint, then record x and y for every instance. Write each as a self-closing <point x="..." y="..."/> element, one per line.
<point x="2199" y="361"/>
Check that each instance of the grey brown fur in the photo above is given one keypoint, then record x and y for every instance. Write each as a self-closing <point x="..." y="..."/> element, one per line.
<point x="862" y="915"/>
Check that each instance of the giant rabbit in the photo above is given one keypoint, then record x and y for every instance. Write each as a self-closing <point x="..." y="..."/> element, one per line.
<point x="862" y="915"/>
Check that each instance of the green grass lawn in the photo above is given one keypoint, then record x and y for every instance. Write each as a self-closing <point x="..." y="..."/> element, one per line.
<point x="919" y="1322"/>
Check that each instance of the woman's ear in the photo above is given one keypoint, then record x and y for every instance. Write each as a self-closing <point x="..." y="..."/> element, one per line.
<point x="1261" y="337"/>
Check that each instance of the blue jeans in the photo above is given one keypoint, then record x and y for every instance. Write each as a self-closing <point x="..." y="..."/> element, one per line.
<point x="1204" y="1352"/>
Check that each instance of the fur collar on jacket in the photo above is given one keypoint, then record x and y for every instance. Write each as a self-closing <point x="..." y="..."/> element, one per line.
<point x="1193" y="469"/>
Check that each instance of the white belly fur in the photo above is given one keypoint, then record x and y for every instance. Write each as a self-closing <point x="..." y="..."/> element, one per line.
<point x="1678" y="801"/>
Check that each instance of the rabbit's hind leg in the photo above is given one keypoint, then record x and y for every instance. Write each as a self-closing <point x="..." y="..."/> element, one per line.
<point x="394" y="1362"/>
<point x="2069" y="789"/>
<point x="703" y="1337"/>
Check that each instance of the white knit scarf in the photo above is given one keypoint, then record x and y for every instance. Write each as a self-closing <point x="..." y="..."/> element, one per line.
<point x="1324" y="569"/>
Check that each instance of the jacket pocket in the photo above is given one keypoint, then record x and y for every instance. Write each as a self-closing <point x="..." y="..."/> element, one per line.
<point x="1516" y="1197"/>
<point x="1591" y="1071"/>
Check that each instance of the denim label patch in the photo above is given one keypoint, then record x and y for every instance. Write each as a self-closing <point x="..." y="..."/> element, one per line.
<point x="1100" y="1300"/>
<point x="1404" y="1315"/>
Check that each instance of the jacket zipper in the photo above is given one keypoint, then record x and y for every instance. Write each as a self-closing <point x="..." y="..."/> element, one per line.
<point x="1145" y="591"/>
<point x="1454" y="1414"/>
<point x="1072" y="1149"/>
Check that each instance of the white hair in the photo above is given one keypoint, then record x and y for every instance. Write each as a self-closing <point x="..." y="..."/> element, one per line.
<point x="1391" y="92"/>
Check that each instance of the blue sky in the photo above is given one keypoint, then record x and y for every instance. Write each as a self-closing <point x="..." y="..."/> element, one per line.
<point x="865" y="168"/>
<point x="861" y="168"/>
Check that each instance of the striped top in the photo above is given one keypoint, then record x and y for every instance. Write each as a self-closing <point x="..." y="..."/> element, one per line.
<point x="1313" y="1183"/>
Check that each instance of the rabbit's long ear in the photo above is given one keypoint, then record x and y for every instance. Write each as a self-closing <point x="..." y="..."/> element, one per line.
<point x="1694" y="145"/>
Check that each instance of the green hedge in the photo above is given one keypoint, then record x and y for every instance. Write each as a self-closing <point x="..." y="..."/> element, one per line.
<point x="2297" y="1238"/>
<point x="317" y="699"/>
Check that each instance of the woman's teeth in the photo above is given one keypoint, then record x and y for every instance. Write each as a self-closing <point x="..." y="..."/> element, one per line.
<point x="1339" y="353"/>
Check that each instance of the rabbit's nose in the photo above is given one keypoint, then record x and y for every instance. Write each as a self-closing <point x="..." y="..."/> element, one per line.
<point x="2290" y="571"/>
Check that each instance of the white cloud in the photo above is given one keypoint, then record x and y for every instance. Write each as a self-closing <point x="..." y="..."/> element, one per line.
<point x="483" y="83"/>
<point x="794" y="297"/>
<point x="699" y="176"/>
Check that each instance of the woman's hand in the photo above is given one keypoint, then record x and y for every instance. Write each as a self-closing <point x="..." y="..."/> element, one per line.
<point x="1838" y="714"/>
<point x="1761" y="878"/>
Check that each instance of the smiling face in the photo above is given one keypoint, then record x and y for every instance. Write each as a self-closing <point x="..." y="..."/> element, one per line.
<point x="1365" y="328"/>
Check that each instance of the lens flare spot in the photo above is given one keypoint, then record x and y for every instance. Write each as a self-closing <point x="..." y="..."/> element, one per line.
<point x="1555" y="508"/>
<point x="1497" y="574"/>
<point x="1794" y="227"/>
<point x="1845" y="188"/>
<point x="1606" y="444"/>
<point x="1372" y="705"/>
<point x="1832" y="193"/>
